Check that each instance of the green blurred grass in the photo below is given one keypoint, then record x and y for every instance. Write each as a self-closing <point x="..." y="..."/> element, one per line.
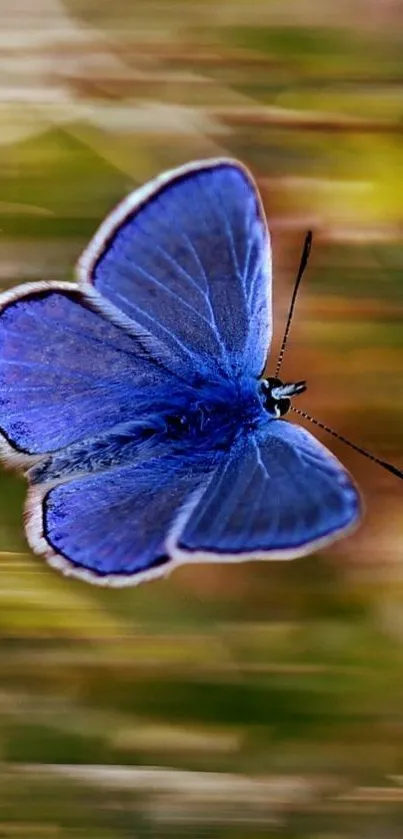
<point x="289" y="672"/>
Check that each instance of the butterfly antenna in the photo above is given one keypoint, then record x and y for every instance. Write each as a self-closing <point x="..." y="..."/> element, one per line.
<point x="393" y="469"/>
<point x="304" y="261"/>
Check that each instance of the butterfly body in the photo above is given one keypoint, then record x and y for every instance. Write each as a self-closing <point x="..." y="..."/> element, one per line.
<point x="135" y="400"/>
<point x="200" y="421"/>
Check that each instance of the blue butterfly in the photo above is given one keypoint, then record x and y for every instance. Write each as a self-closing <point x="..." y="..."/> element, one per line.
<point x="136" y="404"/>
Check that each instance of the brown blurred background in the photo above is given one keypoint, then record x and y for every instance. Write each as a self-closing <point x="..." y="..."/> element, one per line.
<point x="257" y="700"/>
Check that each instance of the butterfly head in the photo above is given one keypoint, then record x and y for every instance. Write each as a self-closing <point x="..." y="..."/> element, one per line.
<point x="277" y="396"/>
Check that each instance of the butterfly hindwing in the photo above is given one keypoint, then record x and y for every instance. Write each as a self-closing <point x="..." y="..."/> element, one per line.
<point x="278" y="494"/>
<point x="112" y="527"/>
<point x="187" y="261"/>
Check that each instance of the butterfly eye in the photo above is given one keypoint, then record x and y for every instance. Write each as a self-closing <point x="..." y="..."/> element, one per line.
<point x="282" y="407"/>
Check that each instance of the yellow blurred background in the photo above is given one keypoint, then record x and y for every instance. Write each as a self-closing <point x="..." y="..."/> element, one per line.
<point x="257" y="700"/>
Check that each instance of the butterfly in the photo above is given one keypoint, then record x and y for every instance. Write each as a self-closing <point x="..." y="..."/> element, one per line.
<point x="136" y="402"/>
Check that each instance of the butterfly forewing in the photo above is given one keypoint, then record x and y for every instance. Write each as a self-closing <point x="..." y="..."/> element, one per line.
<point x="66" y="373"/>
<point x="187" y="262"/>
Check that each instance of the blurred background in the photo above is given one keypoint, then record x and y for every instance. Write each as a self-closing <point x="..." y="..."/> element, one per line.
<point x="257" y="700"/>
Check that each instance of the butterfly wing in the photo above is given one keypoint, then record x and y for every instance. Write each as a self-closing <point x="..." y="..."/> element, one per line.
<point x="186" y="260"/>
<point x="279" y="494"/>
<point x="66" y="373"/>
<point x="111" y="527"/>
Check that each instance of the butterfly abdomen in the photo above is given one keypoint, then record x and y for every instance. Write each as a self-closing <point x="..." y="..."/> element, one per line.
<point x="194" y="422"/>
<point x="122" y="445"/>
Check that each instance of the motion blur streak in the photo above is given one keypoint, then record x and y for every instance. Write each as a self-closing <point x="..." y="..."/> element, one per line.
<point x="264" y="699"/>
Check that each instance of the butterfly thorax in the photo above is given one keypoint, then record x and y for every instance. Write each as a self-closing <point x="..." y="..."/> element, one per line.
<point x="212" y="415"/>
